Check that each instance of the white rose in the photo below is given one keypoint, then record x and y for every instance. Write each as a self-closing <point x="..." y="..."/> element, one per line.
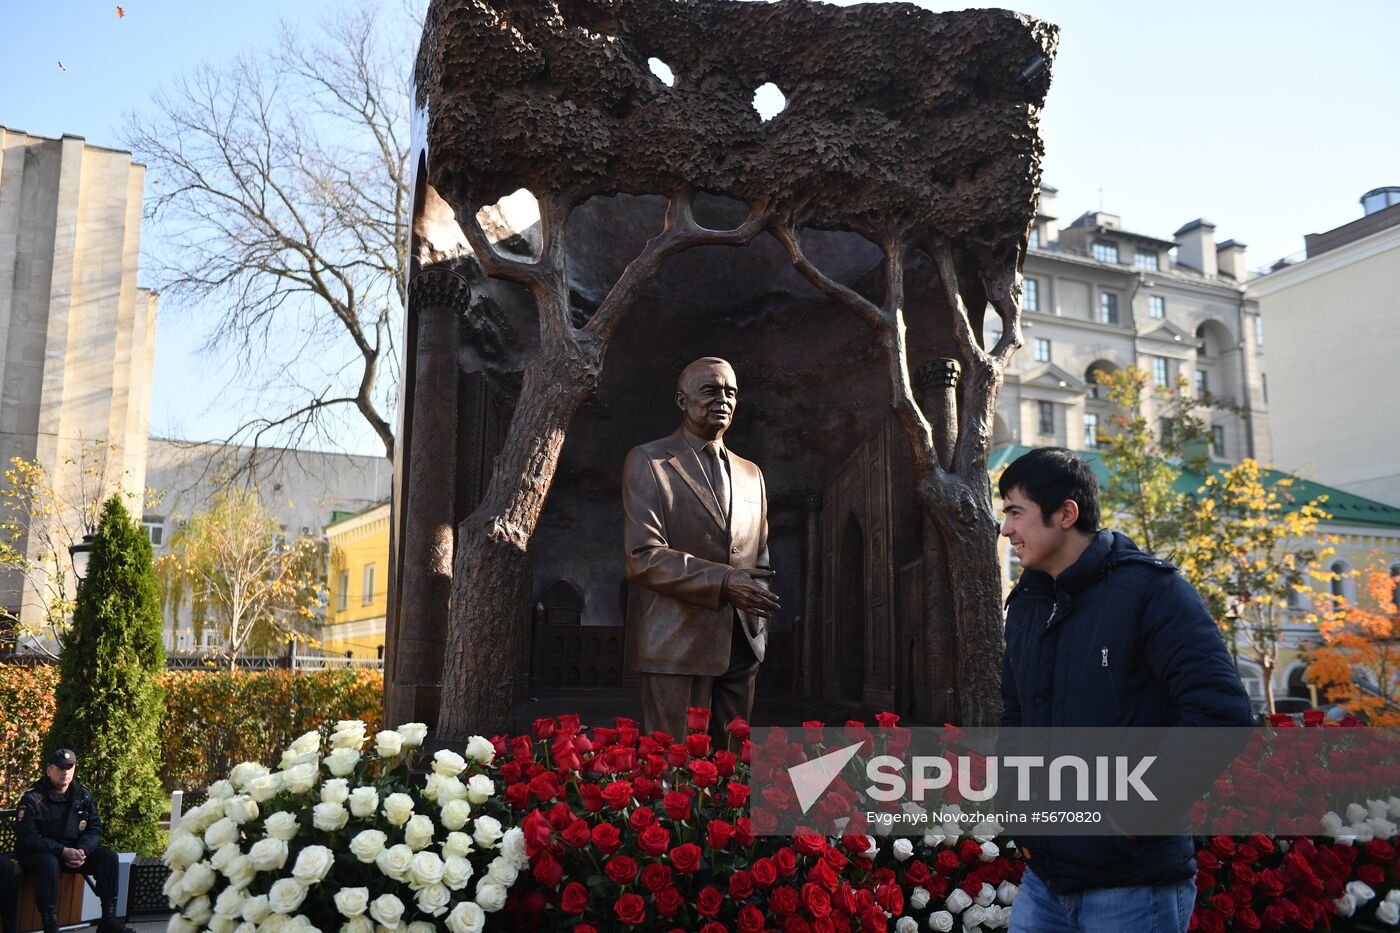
<point x="431" y="784"/>
<point x="246" y="927"/>
<point x="300" y="924"/>
<point x="196" y="819"/>
<point x="268" y="854"/>
<point x="342" y="761"/>
<point x="985" y="896"/>
<point x="513" y="848"/>
<point x="501" y="871"/>
<point x="357" y="925"/>
<point x="480" y="788"/>
<point x="300" y="778"/>
<point x="422" y="926"/>
<point x="1388" y="912"/>
<point x="490" y="896"/>
<point x="903" y="850"/>
<point x="367" y="845"/>
<point x="919" y="898"/>
<point x="425" y="869"/>
<point x="448" y="763"/>
<point x="347" y="741"/>
<point x="1362" y="891"/>
<point x="388" y="744"/>
<point x="1345" y="905"/>
<point x="986" y="830"/>
<point x="349" y="725"/>
<point x="448" y="789"/>
<point x="255" y="909"/>
<point x="329" y="817"/>
<point x="940" y="920"/>
<point x="413" y="733"/>
<point x="486" y="832"/>
<point x="455" y="814"/>
<point x="1006" y="893"/>
<point x="292" y="760"/>
<point x="364" y="801"/>
<point x="906" y="925"/>
<point x="240" y="872"/>
<point x="183" y="849"/>
<point x="398" y="808"/>
<point x="241" y="809"/>
<point x="419" y="832"/>
<point x="1355" y="813"/>
<point x="1332" y="824"/>
<point x="281" y="825"/>
<point x="466" y="917"/>
<point x="275" y="923"/>
<point x="480" y="750"/>
<point x="395" y="861"/>
<point x="173" y="889"/>
<point x="221" y="833"/>
<point x="996" y="918"/>
<point x="351" y="902"/>
<point x="178" y="924"/>
<point x="310" y="742"/>
<point x="264" y="788"/>
<point x="223" y="790"/>
<point x="1394" y="893"/>
<point x="199" y="878"/>
<point x="456" y="872"/>
<point x="244" y="773"/>
<point x="226" y="853"/>
<point x="286" y="895"/>
<point x="387" y="909"/>
<point x="230" y="903"/>
<point x="433" y="899"/>
<point x="313" y="864"/>
<point x="990" y="852"/>
<point x="932" y="838"/>
<point x="459" y="844"/>
<point x="973" y="916"/>
<point x="336" y="790"/>
<point x="198" y="911"/>
<point x="958" y="901"/>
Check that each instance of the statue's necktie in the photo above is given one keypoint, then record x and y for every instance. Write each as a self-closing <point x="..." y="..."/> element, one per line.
<point x="719" y="477"/>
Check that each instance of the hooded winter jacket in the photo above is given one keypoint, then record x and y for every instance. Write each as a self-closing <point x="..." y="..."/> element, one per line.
<point x="1119" y="639"/>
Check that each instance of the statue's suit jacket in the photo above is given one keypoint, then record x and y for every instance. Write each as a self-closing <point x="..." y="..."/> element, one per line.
<point x="679" y="550"/>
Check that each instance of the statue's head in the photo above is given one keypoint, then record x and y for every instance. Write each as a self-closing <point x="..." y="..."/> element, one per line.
<point x="707" y="392"/>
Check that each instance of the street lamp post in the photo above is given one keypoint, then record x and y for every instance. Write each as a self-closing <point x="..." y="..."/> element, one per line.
<point x="81" y="552"/>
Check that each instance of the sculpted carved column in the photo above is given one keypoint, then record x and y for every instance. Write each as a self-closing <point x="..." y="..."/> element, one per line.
<point x="937" y="384"/>
<point x="438" y="298"/>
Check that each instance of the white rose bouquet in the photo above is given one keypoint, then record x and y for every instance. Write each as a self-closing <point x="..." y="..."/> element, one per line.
<point x="341" y="837"/>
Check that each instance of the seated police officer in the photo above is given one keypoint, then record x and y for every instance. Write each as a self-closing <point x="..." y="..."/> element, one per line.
<point x="59" y="830"/>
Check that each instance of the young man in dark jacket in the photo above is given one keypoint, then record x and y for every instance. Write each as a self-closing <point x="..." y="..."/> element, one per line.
<point x="1100" y="634"/>
<point x="59" y="830"/>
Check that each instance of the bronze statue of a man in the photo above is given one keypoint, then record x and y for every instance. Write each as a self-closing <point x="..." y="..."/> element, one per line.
<point x="696" y="534"/>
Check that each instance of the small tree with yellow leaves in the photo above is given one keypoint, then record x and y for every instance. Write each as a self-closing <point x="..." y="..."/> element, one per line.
<point x="1358" y="663"/>
<point x="242" y="576"/>
<point x="1250" y="550"/>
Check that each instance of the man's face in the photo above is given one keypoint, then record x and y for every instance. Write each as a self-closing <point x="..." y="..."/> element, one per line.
<point x="61" y="777"/>
<point x="1037" y="543"/>
<point x="708" y="396"/>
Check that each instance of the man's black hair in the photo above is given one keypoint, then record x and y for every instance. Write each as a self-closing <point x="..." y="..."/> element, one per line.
<point x="1050" y="475"/>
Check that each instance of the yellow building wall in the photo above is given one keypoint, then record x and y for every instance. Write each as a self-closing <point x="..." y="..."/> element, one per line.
<point x="354" y="615"/>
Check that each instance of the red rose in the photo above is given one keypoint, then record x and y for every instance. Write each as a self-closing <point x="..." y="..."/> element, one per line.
<point x="518" y="796"/>
<point x="592" y="797"/>
<point x="970" y="851"/>
<point x="622" y="759"/>
<point x="631" y="909"/>
<point x="812" y="730"/>
<point x="890" y="897"/>
<point x="575" y="898"/>
<point x="654" y="840"/>
<point x="607" y="838"/>
<point x="577" y="834"/>
<point x="1207" y="860"/>
<point x="719" y="833"/>
<point x="585" y="928"/>
<point x="1222" y="846"/>
<point x="835" y="858"/>
<point x="1211" y="922"/>
<point x="1223" y="904"/>
<point x="566" y="756"/>
<point x="668" y="901"/>
<point x="1247" y="919"/>
<point x="641" y="818"/>
<point x="1381" y="851"/>
<point x="686" y="858"/>
<point x="676" y="755"/>
<point x="783" y="900"/>
<point x="618" y="794"/>
<point x="547" y="870"/>
<point x="656" y="878"/>
<point x="793" y="923"/>
<point x="536" y="831"/>
<point x="815" y="901"/>
<point x="621" y="869"/>
<point x="724" y="763"/>
<point x="765" y="873"/>
<point x="676" y="805"/>
<point x="697" y="719"/>
<point x="786" y="861"/>
<point x="737" y="727"/>
<point x="824" y="875"/>
<point x="1371" y="874"/>
<point x="886" y="720"/>
<point x="697" y="744"/>
<point x="544" y="729"/>
<point x="741" y="886"/>
<point x="947" y="861"/>
<point x="568" y="722"/>
<point x="916" y="872"/>
<point x="703" y="773"/>
<point x="713" y="927"/>
<point x="709" y="902"/>
<point x="750" y="919"/>
<point x="738" y="794"/>
<point x="808" y="843"/>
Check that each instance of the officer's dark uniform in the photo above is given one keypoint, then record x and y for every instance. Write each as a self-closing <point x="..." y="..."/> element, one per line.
<point x="48" y="824"/>
<point x="9" y="895"/>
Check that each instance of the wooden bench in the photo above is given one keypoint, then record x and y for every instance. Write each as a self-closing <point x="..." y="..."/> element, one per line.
<point x="70" y="886"/>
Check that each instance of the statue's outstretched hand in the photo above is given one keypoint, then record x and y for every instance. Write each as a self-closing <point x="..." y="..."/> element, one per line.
<point x="745" y="592"/>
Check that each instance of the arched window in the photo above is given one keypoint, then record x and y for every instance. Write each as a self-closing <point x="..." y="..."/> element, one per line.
<point x="1253" y="681"/>
<point x="1338" y="583"/>
<point x="563" y="604"/>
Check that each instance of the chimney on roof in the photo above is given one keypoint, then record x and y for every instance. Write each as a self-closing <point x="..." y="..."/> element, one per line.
<point x="1229" y="259"/>
<point x="1378" y="199"/>
<point x="1195" y="247"/>
<point x="1047" y="215"/>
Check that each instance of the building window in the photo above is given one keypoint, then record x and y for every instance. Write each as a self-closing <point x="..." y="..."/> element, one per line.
<point x="1108" y="308"/>
<point x="155" y="530"/>
<point x="1031" y="289"/>
<point x="1202" y="383"/>
<point x="1258" y="331"/>
<point x="1105" y="251"/>
<point x="1145" y="259"/>
<point x="1160" y="377"/>
<point x="367" y="593"/>
<point x="1338" y="583"/>
<point x="1217" y="441"/>
<point x="1091" y="431"/>
<point x="1034" y="241"/>
<point x="342" y="591"/>
<point x="1158" y="304"/>
<point x="1264" y="386"/>
<point x="1047" y="417"/>
<point x="1042" y="350"/>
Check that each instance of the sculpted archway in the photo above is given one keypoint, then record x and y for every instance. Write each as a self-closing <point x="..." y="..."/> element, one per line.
<point x="913" y="134"/>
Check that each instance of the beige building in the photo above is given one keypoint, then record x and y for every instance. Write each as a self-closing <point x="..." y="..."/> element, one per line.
<point x="77" y="336"/>
<point x="1334" y="342"/>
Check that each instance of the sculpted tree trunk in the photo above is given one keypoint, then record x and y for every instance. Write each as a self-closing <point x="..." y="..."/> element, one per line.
<point x="490" y="572"/>
<point x="955" y="496"/>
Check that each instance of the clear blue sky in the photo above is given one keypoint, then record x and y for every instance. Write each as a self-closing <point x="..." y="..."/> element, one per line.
<point x="1268" y="118"/>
